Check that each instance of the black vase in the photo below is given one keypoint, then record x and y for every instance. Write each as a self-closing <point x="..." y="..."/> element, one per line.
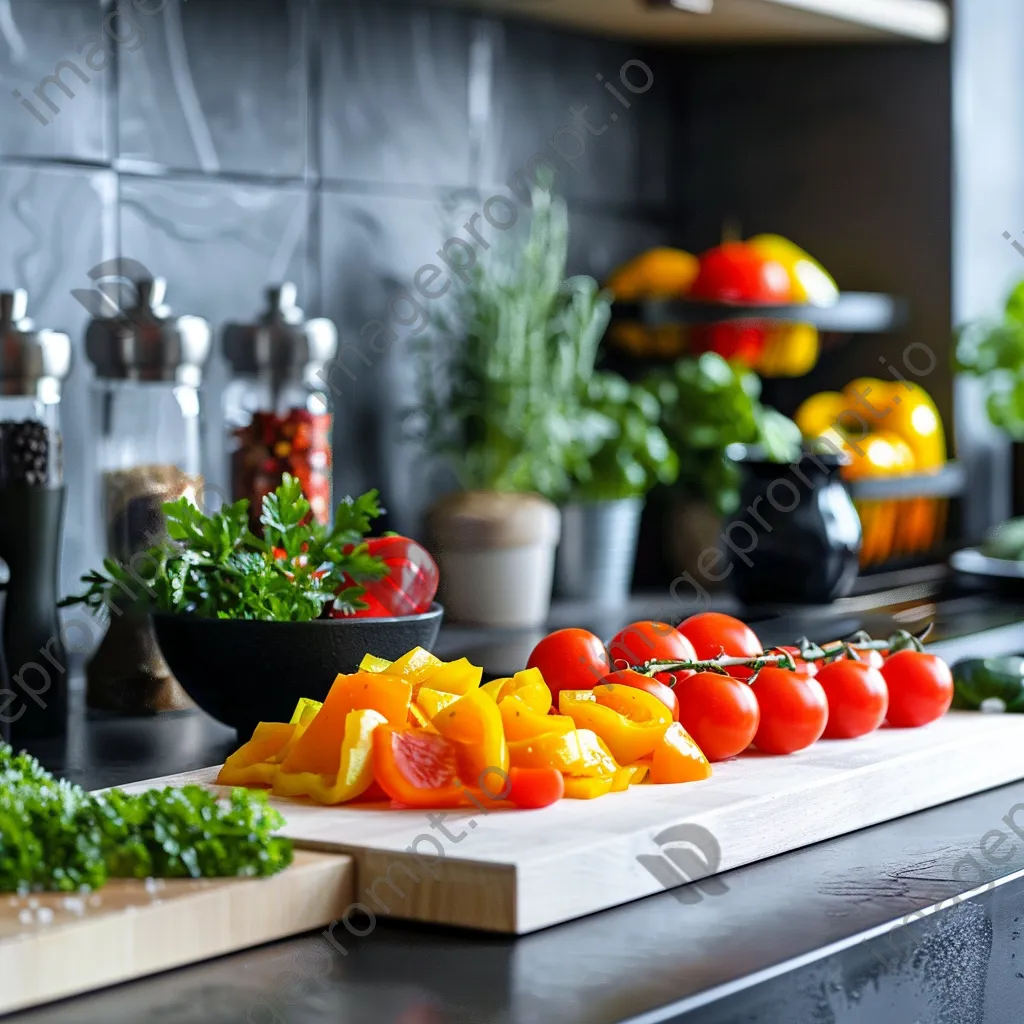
<point x="796" y="537"/>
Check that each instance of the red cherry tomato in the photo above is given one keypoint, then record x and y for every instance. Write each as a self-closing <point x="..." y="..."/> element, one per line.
<point x="735" y="272"/>
<point x="570" y="659"/>
<point x="719" y="712"/>
<point x="667" y="696"/>
<point x="649" y="641"/>
<point x="803" y="668"/>
<point x="794" y="710"/>
<point x="857" y="698"/>
<point x="920" y="688"/>
<point x="713" y="633"/>
<point x="535" y="787"/>
<point x="876" y="659"/>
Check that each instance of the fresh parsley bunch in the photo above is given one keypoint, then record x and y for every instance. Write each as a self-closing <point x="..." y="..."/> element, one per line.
<point x="54" y="836"/>
<point x="215" y="567"/>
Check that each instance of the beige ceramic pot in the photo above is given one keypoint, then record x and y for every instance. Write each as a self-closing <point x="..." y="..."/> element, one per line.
<point x="496" y="553"/>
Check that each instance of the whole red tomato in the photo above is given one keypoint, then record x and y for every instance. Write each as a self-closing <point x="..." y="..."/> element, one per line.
<point x="794" y="710"/>
<point x="876" y="659"/>
<point x="719" y="712"/>
<point x="641" y="642"/>
<point x="667" y="696"/>
<point x="920" y="688"/>
<point x="570" y="659"/>
<point x="857" y="698"/>
<point x="713" y="633"/>
<point x="736" y="272"/>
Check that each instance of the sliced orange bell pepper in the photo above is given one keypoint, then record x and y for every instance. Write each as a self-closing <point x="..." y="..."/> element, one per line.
<point x="474" y="724"/>
<point x="353" y="773"/>
<point x="677" y="758"/>
<point x="522" y="722"/>
<point x="528" y="686"/>
<point x="317" y="749"/>
<point x="417" y="768"/>
<point x="431" y="702"/>
<point x="588" y="787"/>
<point x="627" y="737"/>
<point x="552" y="750"/>
<point x="251" y="764"/>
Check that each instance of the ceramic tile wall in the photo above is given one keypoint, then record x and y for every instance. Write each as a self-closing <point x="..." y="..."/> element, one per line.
<point x="229" y="144"/>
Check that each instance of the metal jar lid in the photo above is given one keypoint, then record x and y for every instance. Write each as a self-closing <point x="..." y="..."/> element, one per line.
<point x="32" y="362"/>
<point x="281" y="345"/>
<point x="146" y="343"/>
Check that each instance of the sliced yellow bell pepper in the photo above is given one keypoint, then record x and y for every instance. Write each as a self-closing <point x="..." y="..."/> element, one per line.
<point x="473" y="723"/>
<point x="630" y="775"/>
<point x="551" y="750"/>
<point x="629" y="725"/>
<point x="588" y="787"/>
<point x="432" y="702"/>
<point x="305" y="711"/>
<point x="254" y="763"/>
<point x="597" y="758"/>
<point x="456" y="677"/>
<point x="528" y="685"/>
<point x="371" y="663"/>
<point x="354" y="770"/>
<point x="677" y="758"/>
<point x="522" y="722"/>
<point x="417" y="665"/>
<point x="317" y="749"/>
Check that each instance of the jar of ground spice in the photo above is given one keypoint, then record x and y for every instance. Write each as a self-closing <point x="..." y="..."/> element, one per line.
<point x="33" y="668"/>
<point x="276" y="408"/>
<point x="146" y="449"/>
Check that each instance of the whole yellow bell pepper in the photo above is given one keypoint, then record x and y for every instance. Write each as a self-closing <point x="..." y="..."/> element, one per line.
<point x="354" y="772"/>
<point x="473" y="723"/>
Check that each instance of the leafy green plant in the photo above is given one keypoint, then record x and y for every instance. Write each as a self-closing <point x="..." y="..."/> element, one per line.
<point x="503" y="372"/>
<point x="624" y="452"/>
<point x="708" y="404"/>
<point x="215" y="567"/>
<point x="994" y="351"/>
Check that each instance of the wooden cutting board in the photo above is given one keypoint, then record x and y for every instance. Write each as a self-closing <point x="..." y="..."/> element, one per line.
<point x="517" y="871"/>
<point x="52" y="945"/>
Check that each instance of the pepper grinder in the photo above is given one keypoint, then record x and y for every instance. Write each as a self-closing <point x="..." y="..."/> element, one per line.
<point x="145" y="404"/>
<point x="33" y="363"/>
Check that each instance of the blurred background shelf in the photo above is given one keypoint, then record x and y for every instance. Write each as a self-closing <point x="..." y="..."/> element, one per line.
<point x="854" y="313"/>
<point x="741" y="21"/>
<point x="948" y="482"/>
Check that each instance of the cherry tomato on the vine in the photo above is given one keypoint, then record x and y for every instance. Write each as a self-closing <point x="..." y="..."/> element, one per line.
<point x="920" y="688"/>
<point x="641" y="642"/>
<point x="667" y="696"/>
<point x="711" y="633"/>
<point x="857" y="698"/>
<point x="720" y="712"/>
<point x="794" y="710"/>
<point x="570" y="659"/>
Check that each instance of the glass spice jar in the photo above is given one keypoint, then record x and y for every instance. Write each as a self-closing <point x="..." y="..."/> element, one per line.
<point x="146" y="451"/>
<point x="276" y="408"/>
<point x="33" y="365"/>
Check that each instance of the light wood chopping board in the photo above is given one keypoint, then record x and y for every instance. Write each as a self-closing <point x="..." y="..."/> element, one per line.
<point x="54" y="945"/>
<point x="517" y="871"/>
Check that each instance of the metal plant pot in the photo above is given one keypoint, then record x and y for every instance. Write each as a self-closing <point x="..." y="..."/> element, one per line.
<point x="597" y="553"/>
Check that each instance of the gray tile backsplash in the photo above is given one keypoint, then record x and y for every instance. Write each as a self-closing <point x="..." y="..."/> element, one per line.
<point x="229" y="144"/>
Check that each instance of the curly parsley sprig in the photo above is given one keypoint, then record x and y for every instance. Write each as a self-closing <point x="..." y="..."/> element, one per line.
<point x="215" y="567"/>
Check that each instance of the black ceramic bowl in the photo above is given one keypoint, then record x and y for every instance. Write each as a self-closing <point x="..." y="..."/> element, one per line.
<point x="244" y="672"/>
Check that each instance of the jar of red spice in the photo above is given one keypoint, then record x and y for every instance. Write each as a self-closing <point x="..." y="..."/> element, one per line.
<point x="276" y="408"/>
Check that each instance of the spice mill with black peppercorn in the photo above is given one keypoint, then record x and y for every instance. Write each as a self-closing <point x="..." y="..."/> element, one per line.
<point x="33" y="364"/>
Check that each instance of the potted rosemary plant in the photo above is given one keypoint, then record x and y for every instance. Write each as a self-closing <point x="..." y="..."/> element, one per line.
<point x="622" y="455"/>
<point x="501" y="382"/>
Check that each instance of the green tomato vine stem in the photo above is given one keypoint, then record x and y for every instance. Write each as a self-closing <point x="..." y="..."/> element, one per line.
<point x="776" y="657"/>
